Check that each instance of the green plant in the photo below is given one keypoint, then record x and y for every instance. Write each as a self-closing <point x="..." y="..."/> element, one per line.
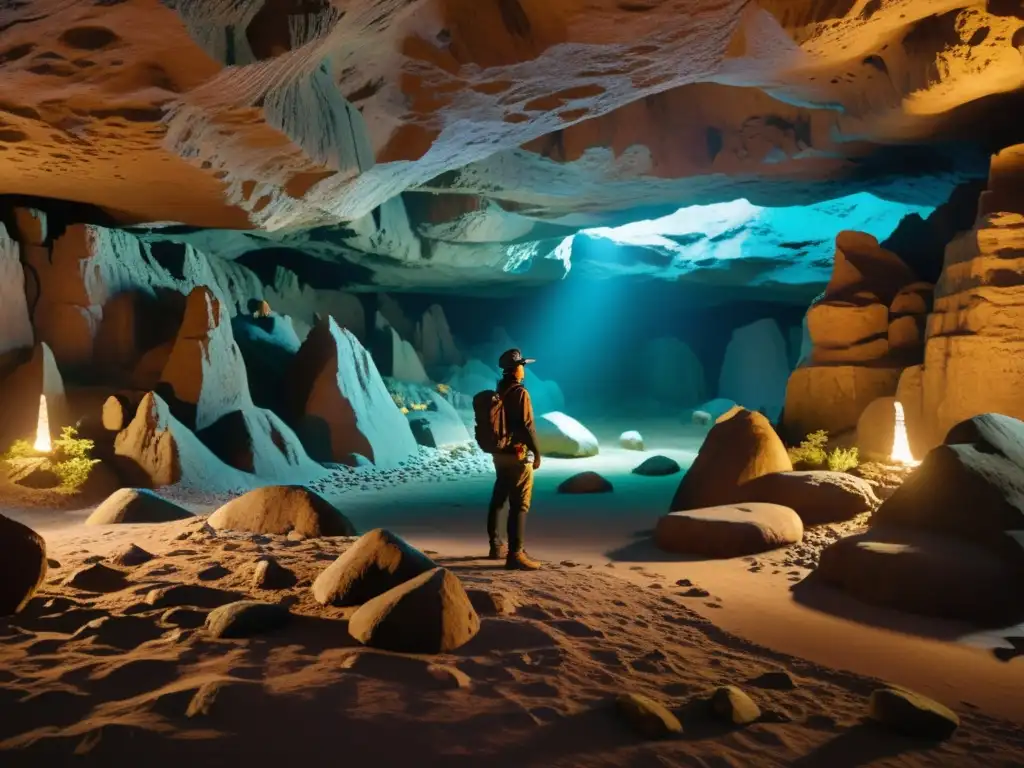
<point x="843" y="459"/>
<point x="811" y="451"/>
<point x="72" y="460"/>
<point x="20" y="449"/>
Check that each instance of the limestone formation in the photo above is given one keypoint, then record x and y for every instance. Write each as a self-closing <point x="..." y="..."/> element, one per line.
<point x="37" y="375"/>
<point x="135" y="505"/>
<point x="755" y="368"/>
<point x="861" y="265"/>
<point x="740" y="447"/>
<point x="156" y="449"/>
<point x="561" y="436"/>
<point x="22" y="565"/>
<point x="280" y="510"/>
<point x="586" y="482"/>
<point x="340" y="405"/>
<point x="430" y="613"/>
<point x="257" y="441"/>
<point x="434" y="340"/>
<point x="728" y="531"/>
<point x="818" y="497"/>
<point x="395" y="356"/>
<point x="376" y="563"/>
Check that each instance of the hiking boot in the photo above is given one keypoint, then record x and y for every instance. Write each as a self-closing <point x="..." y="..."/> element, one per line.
<point x="498" y="552"/>
<point x="520" y="561"/>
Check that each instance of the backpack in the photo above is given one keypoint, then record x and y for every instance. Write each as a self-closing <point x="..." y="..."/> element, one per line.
<point x="491" y="430"/>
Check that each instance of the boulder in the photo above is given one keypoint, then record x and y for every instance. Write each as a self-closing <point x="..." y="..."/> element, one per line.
<point x="740" y="447"/>
<point x="755" y="368"/>
<point x="135" y="505"/>
<point x="818" y="497"/>
<point x="924" y="573"/>
<point x="668" y="372"/>
<point x="561" y="436"/>
<point x="259" y="442"/>
<point x="862" y="265"/>
<point x="245" y="619"/>
<point x="585" y="482"/>
<point x="131" y="556"/>
<point x="116" y="413"/>
<point x="37" y="375"/>
<point x="709" y="412"/>
<point x="340" y="404"/>
<point x="973" y="491"/>
<point x="205" y="371"/>
<point x="912" y="714"/>
<point x="156" y="449"/>
<point x="279" y="510"/>
<point x="430" y="613"/>
<point x="832" y="397"/>
<point x="646" y="716"/>
<point x="15" y="324"/>
<point x="735" y="707"/>
<point x="909" y="395"/>
<point x="270" y="574"/>
<point x="876" y="429"/>
<point x="657" y="466"/>
<point x="22" y="565"/>
<point x="631" y="441"/>
<point x="98" y="578"/>
<point x="376" y="563"/>
<point x="728" y="531"/>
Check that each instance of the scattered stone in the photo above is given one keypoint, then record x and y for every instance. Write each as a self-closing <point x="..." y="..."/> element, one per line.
<point x="282" y="509"/>
<point x="136" y="505"/>
<point x="728" y="531"/>
<point x="734" y="706"/>
<point x="376" y="563"/>
<point x="23" y="564"/>
<point x="97" y="578"/>
<point x="430" y="613"/>
<point x="207" y="696"/>
<point x="269" y="574"/>
<point x="131" y="556"/>
<point x="684" y="583"/>
<point x="586" y="482"/>
<point x="245" y="618"/>
<point x="190" y="595"/>
<point x="740" y="447"/>
<point x="51" y="563"/>
<point x="776" y="680"/>
<point x="646" y="716"/>
<point x="657" y="466"/>
<point x="213" y="572"/>
<point x="488" y="603"/>
<point x="116" y="414"/>
<point x="912" y="714"/>
<point x="696" y="592"/>
<point x="631" y="441"/>
<point x="818" y="497"/>
<point x="186" y="618"/>
<point x="450" y="676"/>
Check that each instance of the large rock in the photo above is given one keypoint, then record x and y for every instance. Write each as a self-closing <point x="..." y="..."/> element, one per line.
<point x="818" y="497"/>
<point x="561" y="436"/>
<point x="134" y="505"/>
<point x="430" y="613"/>
<point x="755" y="368"/>
<point x="434" y="340"/>
<point x="925" y="573"/>
<point x="15" y="325"/>
<point x="340" y="404"/>
<point x="205" y="371"/>
<point x="973" y="491"/>
<point x="876" y="429"/>
<point x="281" y="509"/>
<point x="657" y="466"/>
<point x="22" y="565"/>
<point x="832" y="397"/>
<point x="740" y="447"/>
<point x="396" y="357"/>
<point x="20" y="392"/>
<point x="862" y="265"/>
<point x="379" y="561"/>
<point x="438" y="425"/>
<point x="912" y="714"/>
<point x="728" y="531"/>
<point x="631" y="440"/>
<point x="156" y="449"/>
<point x="668" y="372"/>
<point x="586" y="482"/>
<point x="245" y="619"/>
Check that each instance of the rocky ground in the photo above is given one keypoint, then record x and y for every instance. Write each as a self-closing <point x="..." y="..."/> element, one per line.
<point x="104" y="669"/>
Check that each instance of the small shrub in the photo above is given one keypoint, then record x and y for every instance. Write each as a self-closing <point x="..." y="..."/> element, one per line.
<point x="811" y="451"/>
<point x="843" y="459"/>
<point x="20" y="449"/>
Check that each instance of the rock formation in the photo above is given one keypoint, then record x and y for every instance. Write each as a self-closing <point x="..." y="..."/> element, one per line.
<point x="134" y="505"/>
<point x="15" y="325"/>
<point x="22" y="565"/>
<point x="728" y="531"/>
<point x="396" y="357"/>
<point x="755" y="368"/>
<point x="339" y="404"/>
<point x="279" y="510"/>
<point x="434" y="340"/>
<point x="36" y="375"/>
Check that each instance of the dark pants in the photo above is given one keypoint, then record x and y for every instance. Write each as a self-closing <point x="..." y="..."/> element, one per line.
<point x="513" y="485"/>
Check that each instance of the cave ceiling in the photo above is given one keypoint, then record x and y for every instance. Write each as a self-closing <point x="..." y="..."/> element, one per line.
<point x="425" y="144"/>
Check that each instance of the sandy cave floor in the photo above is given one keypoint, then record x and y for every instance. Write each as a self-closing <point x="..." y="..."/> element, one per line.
<point x="611" y="614"/>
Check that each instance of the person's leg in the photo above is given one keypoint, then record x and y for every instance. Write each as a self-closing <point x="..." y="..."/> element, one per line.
<point x="520" y="495"/>
<point x="499" y="499"/>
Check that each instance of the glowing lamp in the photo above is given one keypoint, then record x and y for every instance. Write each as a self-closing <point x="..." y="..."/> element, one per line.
<point x="43" y="443"/>
<point x="900" y="444"/>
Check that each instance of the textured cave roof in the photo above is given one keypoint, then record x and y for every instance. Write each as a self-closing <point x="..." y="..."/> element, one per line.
<point x="427" y="142"/>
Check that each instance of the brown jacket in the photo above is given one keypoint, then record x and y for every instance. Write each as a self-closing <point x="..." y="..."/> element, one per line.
<point x="519" y="414"/>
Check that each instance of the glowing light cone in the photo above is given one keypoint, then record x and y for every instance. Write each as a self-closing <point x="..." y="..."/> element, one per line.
<point x="900" y="444"/>
<point x="43" y="443"/>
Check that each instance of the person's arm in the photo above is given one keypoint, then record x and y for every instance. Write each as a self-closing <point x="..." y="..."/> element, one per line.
<point x="529" y="428"/>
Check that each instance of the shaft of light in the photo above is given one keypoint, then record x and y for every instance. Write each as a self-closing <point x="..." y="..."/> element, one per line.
<point x="43" y="443"/>
<point x="900" y="444"/>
